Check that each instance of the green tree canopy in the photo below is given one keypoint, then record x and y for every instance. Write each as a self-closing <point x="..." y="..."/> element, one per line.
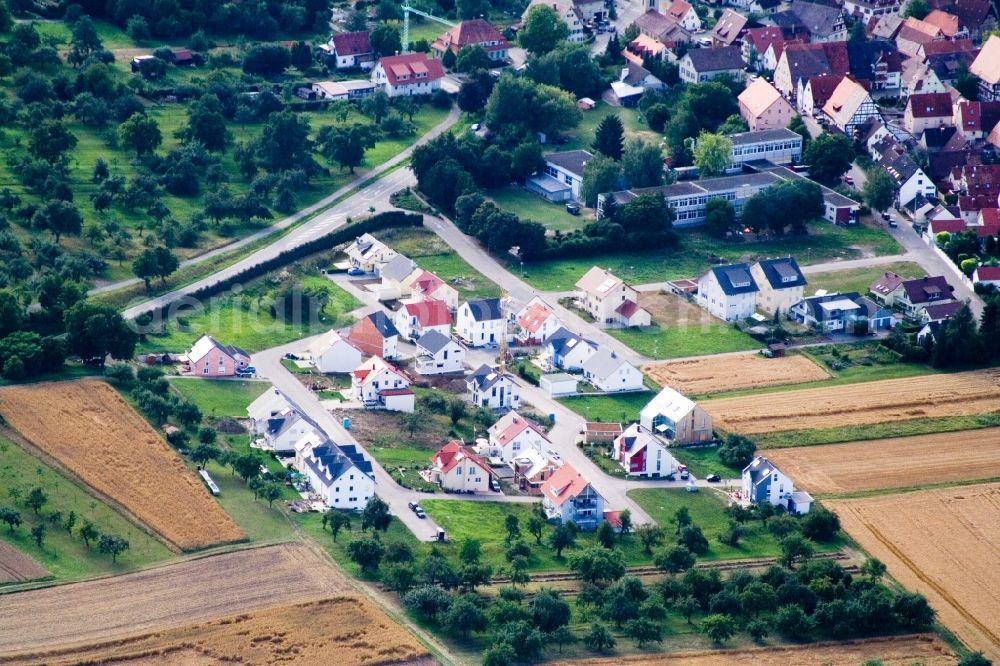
<point x="543" y="29"/>
<point x="712" y="154"/>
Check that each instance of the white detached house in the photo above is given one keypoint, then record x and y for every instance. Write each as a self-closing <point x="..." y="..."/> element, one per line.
<point x="513" y="434"/>
<point x="609" y="300"/>
<point x="641" y="453"/>
<point x="378" y="384"/>
<point x="492" y="389"/>
<point x="480" y="323"/>
<point x="340" y="475"/>
<point x="763" y="482"/>
<point x="728" y="292"/>
<point x="610" y="373"/>
<point x="457" y="469"/>
<point x="332" y="353"/>
<point x="438" y="354"/>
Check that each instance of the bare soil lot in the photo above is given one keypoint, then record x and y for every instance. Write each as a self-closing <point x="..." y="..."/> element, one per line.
<point x="92" y="432"/>
<point x="883" y="401"/>
<point x="899" y="462"/>
<point x="893" y="651"/>
<point x="16" y="566"/>
<point x="713" y="374"/>
<point x="161" y="598"/>
<point x="944" y="544"/>
<point x="339" y="630"/>
<point x="672" y="311"/>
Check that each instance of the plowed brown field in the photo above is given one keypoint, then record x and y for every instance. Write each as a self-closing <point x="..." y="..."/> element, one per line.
<point x="340" y="630"/>
<point x="900" y="462"/>
<point x="888" y="400"/>
<point x="153" y="600"/>
<point x="944" y="544"/>
<point x="15" y="565"/>
<point x="712" y="374"/>
<point x="893" y="651"/>
<point x="91" y="431"/>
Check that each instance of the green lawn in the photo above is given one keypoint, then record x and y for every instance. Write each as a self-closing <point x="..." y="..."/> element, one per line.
<point x="660" y="343"/>
<point x="623" y="408"/>
<point x="434" y="255"/>
<point x="67" y="557"/>
<point x="529" y="206"/>
<point x="825" y="242"/>
<point x="220" y="397"/>
<point x="858" y="279"/>
<point x="484" y="521"/>
<point x="404" y="463"/>
<point x="583" y="136"/>
<point x="704" y="460"/>
<point x="255" y="518"/>
<point x="246" y="320"/>
<point x="706" y="509"/>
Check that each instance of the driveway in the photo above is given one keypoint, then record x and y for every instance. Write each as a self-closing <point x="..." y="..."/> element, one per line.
<point x="374" y="196"/>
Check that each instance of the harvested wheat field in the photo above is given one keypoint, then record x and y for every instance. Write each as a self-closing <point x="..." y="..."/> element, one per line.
<point x="944" y="544"/>
<point x="712" y="374"/>
<point x="955" y="394"/>
<point x="922" y="649"/>
<point x="160" y="598"/>
<point x="16" y="566"/>
<point x="899" y="462"/>
<point x="339" y="630"/>
<point x="92" y="432"/>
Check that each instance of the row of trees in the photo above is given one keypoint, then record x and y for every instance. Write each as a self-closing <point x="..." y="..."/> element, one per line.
<point x="36" y="499"/>
<point x="956" y="342"/>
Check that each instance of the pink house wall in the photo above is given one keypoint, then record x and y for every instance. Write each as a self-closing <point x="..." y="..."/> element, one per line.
<point x="211" y="362"/>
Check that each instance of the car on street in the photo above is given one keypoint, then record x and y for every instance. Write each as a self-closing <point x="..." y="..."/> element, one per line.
<point x="420" y="512"/>
<point x="412" y="505"/>
<point x="713" y="478"/>
<point x="248" y="371"/>
<point x="355" y="271"/>
<point x="886" y="217"/>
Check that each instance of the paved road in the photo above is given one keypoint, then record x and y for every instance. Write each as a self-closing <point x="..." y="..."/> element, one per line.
<point x="628" y="11"/>
<point x="375" y="196"/>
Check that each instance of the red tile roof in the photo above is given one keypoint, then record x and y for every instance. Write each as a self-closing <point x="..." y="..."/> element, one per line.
<point x="943" y="46"/>
<point x="948" y="23"/>
<point x="627" y="309"/>
<point x="427" y="282"/>
<point x="990" y="218"/>
<point x="836" y="55"/>
<point x="391" y="392"/>
<point x="410" y="68"/>
<point x="533" y="318"/>
<point x="429" y="312"/>
<point x="886" y="283"/>
<point x="351" y="43"/>
<point x="929" y="105"/>
<point x="822" y="88"/>
<point x="469" y="33"/>
<point x="990" y="273"/>
<point x="951" y="226"/>
<point x="564" y="484"/>
<point x="453" y="453"/>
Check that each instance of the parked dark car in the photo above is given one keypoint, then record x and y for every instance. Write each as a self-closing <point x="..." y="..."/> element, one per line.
<point x="572" y="209"/>
<point x="713" y="478"/>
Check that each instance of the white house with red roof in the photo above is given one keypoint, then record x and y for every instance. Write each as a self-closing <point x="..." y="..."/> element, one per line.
<point x="350" y="50"/>
<point x="408" y="74"/>
<point x="512" y="434"/>
<point x="417" y="316"/>
<point x="987" y="275"/>
<point x="609" y="300"/>
<point x="475" y="32"/>
<point x="380" y="385"/>
<point x="456" y="468"/>
<point x="567" y="495"/>
<point x="682" y="13"/>
<point x="641" y="453"/>
<point x="333" y="353"/>
<point x="535" y="323"/>
<point x="210" y="358"/>
<point x="427" y="284"/>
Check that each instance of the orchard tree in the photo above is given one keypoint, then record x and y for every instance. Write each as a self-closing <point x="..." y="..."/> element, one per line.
<point x="346" y="144"/>
<point x="10" y="516"/>
<point x="112" y="545"/>
<point x="338" y="521"/>
<point x="599" y="638"/>
<point x="140" y="133"/>
<point x="59" y="218"/>
<point x="38" y="534"/>
<point x="89" y="533"/>
<point x="50" y="140"/>
<point x="719" y="628"/>
<point x="96" y="331"/>
<point x="794" y="548"/>
<point x="562" y="537"/>
<point x="36" y="499"/>
<point x="155" y="262"/>
<point x="376" y="515"/>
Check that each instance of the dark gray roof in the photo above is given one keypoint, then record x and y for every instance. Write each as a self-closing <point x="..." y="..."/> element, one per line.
<point x="817" y="19"/>
<point x="398" y="268"/>
<point x="570" y="160"/>
<point x="760" y="469"/>
<point x="433" y="341"/>
<point x="735" y="279"/>
<point x="563" y="339"/>
<point x="383" y="324"/>
<point x="782" y="273"/>
<point x="814" y="303"/>
<point x="485" y="309"/>
<point x="717" y="59"/>
<point x="484" y="377"/>
<point x="777" y="134"/>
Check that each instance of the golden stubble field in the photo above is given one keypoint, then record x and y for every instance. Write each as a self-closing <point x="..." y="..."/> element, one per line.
<point x="900" y="462"/>
<point x="102" y="611"/>
<point x="92" y="432"/>
<point x="909" y="650"/>
<point x="888" y="400"/>
<point x="338" y="630"/>
<point x="944" y="544"/>
<point x="713" y="374"/>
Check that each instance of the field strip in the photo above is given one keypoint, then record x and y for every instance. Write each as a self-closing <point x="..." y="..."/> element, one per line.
<point x="97" y="436"/>
<point x="883" y="401"/>
<point x="925" y="649"/>
<point x="715" y="374"/>
<point x="860" y="466"/>
<point x="16" y="566"/>
<point x="944" y="544"/>
<point x="164" y="597"/>
<point x="335" y="630"/>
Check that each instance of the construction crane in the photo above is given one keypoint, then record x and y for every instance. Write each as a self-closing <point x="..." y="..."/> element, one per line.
<point x="406" y="23"/>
